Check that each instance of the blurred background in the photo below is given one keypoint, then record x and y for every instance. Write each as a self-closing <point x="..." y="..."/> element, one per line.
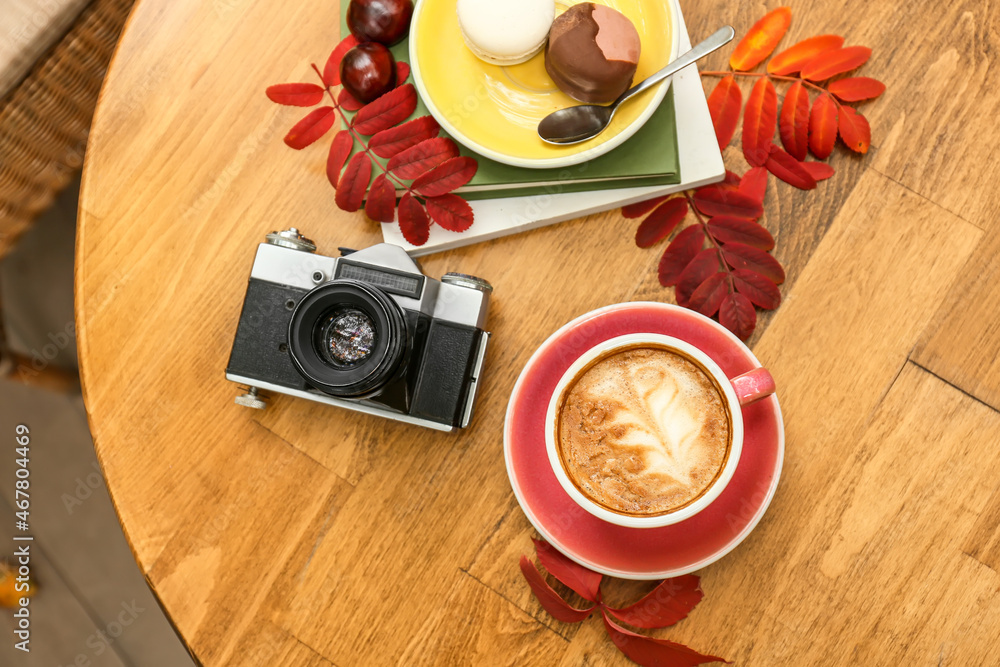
<point x="85" y="571"/>
<point x="92" y="605"/>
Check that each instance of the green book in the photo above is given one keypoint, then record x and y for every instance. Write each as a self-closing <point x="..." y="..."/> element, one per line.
<point x="648" y="158"/>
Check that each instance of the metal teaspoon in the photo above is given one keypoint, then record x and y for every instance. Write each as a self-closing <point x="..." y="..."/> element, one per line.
<point x="575" y="124"/>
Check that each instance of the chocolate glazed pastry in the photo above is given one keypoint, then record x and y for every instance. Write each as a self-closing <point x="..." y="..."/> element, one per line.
<point x="592" y="53"/>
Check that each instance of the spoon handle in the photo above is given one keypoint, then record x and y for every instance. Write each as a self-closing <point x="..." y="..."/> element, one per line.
<point x="719" y="38"/>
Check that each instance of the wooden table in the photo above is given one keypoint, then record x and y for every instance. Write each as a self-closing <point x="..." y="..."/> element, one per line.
<point x="306" y="535"/>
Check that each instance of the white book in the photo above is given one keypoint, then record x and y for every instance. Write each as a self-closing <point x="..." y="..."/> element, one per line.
<point x="700" y="164"/>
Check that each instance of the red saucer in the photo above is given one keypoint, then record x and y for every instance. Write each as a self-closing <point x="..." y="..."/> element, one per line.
<point x="637" y="553"/>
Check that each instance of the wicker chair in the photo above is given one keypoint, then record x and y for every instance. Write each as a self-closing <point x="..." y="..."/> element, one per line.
<point x="44" y="122"/>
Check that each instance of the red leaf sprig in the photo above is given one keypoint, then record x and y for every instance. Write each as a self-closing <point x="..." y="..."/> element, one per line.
<point x="670" y="602"/>
<point x="721" y="266"/>
<point x="815" y="60"/>
<point x="425" y="167"/>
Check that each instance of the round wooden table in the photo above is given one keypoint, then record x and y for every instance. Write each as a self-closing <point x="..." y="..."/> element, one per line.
<point x="307" y="535"/>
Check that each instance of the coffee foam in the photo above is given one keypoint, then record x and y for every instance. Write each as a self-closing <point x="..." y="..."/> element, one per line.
<point x="643" y="431"/>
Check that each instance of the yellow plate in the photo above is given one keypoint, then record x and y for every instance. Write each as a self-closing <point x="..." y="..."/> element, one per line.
<point x="495" y="110"/>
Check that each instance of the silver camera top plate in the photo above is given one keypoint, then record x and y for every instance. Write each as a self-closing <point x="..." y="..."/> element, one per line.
<point x="443" y="301"/>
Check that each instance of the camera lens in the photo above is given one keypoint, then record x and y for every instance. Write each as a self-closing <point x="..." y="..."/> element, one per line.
<point x="347" y="338"/>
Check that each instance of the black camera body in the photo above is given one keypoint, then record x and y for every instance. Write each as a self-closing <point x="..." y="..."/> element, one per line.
<point x="367" y="331"/>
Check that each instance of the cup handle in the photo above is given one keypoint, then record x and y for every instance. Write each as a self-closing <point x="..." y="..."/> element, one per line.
<point x="753" y="386"/>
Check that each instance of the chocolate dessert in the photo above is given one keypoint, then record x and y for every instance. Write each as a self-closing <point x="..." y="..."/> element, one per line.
<point x="592" y="53"/>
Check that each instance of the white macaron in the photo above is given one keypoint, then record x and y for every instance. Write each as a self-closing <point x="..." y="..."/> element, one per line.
<point x="505" y="32"/>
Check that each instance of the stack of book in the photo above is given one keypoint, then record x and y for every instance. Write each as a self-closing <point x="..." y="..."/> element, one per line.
<point x="675" y="150"/>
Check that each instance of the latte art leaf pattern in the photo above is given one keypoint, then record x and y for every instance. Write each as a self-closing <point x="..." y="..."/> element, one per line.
<point x="643" y="431"/>
<point x="660" y="426"/>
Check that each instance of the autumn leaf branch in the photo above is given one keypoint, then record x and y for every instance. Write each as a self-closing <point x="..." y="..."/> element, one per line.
<point x="427" y="168"/>
<point x="667" y="604"/>
<point x="735" y="272"/>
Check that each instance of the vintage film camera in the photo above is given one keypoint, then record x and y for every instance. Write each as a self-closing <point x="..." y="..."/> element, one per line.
<point x="367" y="331"/>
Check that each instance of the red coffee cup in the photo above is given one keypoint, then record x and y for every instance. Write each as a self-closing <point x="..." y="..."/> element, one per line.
<point x="741" y="390"/>
<point x="617" y="550"/>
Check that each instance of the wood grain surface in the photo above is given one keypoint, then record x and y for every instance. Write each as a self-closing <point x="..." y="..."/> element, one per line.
<point x="306" y="535"/>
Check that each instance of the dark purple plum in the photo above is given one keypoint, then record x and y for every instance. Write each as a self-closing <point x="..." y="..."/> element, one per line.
<point x="368" y="71"/>
<point x="382" y="21"/>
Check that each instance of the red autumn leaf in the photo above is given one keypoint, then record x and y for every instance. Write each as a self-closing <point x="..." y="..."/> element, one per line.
<point x="331" y="71"/>
<point x="707" y="297"/>
<point x="450" y="212"/>
<point x="641" y="208"/>
<point x="387" y="143"/>
<point x="854" y="130"/>
<point x="295" y="94"/>
<point x="652" y="652"/>
<point x="402" y="72"/>
<point x="761" y="291"/>
<point x="381" y="203"/>
<point x="794" y="125"/>
<point x="754" y="183"/>
<point x="713" y="200"/>
<point x="426" y="155"/>
<point x="661" y="222"/>
<point x="347" y="101"/>
<point x="737" y="314"/>
<point x="857" y="88"/>
<point x="386" y="111"/>
<point x="354" y="183"/>
<point x="731" y="179"/>
<point x="679" y="254"/>
<point x="548" y="598"/>
<point x="818" y="170"/>
<point x="311" y="128"/>
<point x="823" y="126"/>
<point x="665" y="605"/>
<point x="351" y="182"/>
<point x="449" y="175"/>
<point x="837" y="61"/>
<point x="742" y="256"/>
<point x="793" y="58"/>
<point x="413" y="220"/>
<point x="727" y="229"/>
<point x="760" y="41"/>
<point x="788" y="169"/>
<point x="584" y="581"/>
<point x="341" y="147"/>
<point x="724" y="104"/>
<point x="758" y="122"/>
<point x="704" y="264"/>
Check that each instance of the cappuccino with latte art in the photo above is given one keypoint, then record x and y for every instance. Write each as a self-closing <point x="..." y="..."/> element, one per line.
<point x="643" y="431"/>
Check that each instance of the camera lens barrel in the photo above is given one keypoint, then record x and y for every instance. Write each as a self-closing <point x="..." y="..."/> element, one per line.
<point x="347" y="338"/>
